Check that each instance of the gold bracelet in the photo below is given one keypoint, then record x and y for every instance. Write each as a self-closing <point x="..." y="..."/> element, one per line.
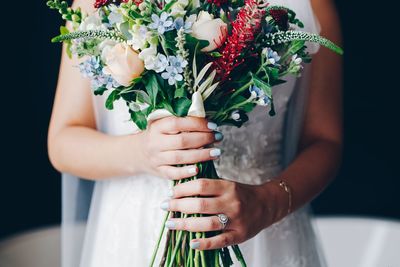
<point x="288" y="190"/>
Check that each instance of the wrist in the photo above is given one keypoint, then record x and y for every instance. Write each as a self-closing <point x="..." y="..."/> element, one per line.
<point x="133" y="158"/>
<point x="277" y="202"/>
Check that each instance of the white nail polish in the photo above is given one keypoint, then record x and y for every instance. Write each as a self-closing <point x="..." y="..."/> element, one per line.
<point x="216" y="152"/>
<point x="192" y="170"/>
<point x="170" y="193"/>
<point x="212" y="126"/>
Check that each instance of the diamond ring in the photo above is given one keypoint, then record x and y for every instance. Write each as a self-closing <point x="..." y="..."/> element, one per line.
<point x="223" y="219"/>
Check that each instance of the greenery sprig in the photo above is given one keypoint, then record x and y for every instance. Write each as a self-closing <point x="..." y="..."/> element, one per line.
<point x="88" y="35"/>
<point x="282" y="37"/>
<point x="67" y="13"/>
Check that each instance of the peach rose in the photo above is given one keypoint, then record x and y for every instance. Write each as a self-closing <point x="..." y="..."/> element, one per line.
<point x="123" y="64"/>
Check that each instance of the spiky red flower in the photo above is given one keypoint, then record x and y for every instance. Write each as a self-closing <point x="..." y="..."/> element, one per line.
<point x="281" y="17"/>
<point x="244" y="29"/>
<point x="100" y="3"/>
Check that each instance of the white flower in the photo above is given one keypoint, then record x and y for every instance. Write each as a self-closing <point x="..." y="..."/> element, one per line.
<point x="158" y="63"/>
<point x="212" y="30"/>
<point x="92" y="22"/>
<point x="197" y="107"/>
<point x="140" y="35"/>
<point x="296" y="60"/>
<point x="115" y="16"/>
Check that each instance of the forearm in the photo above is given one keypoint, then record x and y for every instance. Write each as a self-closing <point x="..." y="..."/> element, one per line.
<point x="310" y="173"/>
<point x="90" y="154"/>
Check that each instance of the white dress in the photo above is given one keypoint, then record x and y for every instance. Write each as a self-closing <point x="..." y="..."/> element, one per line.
<point x="124" y="218"/>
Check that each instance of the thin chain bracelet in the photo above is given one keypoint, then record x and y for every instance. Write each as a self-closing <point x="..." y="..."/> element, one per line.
<point x="288" y="190"/>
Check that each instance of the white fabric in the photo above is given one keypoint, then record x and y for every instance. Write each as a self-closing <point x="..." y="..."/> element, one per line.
<point x="125" y="216"/>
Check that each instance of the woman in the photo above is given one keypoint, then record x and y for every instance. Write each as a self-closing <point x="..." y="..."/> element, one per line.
<point x="272" y="168"/>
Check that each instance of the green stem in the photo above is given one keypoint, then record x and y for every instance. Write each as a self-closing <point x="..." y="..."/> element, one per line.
<point x="177" y="242"/>
<point x="244" y="87"/>
<point x="202" y="255"/>
<point x="153" y="258"/>
<point x="239" y="255"/>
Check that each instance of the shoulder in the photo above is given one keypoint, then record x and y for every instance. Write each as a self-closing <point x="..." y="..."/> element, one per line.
<point x="86" y="5"/>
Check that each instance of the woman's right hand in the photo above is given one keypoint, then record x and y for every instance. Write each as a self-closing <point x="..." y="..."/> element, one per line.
<point x="173" y="141"/>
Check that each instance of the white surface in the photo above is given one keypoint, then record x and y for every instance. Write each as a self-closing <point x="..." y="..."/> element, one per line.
<point x="348" y="242"/>
<point x="360" y="242"/>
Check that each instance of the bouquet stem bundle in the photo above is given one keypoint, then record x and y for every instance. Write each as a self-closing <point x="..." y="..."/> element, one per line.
<point x="177" y="251"/>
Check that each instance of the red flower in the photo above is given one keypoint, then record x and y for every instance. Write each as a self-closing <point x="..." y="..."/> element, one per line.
<point x="281" y="17"/>
<point x="218" y="3"/>
<point x="245" y="27"/>
<point x="100" y="3"/>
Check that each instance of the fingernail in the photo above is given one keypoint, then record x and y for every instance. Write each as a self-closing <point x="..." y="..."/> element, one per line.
<point x="194" y="245"/>
<point x="216" y="152"/>
<point x="170" y="193"/>
<point x="165" y="205"/>
<point x="212" y="126"/>
<point x="218" y="136"/>
<point x="170" y="224"/>
<point x="192" y="170"/>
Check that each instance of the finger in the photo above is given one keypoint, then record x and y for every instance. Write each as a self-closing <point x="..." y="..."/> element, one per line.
<point x="195" y="224"/>
<point x="194" y="205"/>
<point x="199" y="187"/>
<point x="219" y="241"/>
<point x="190" y="156"/>
<point x="173" y="125"/>
<point x="177" y="173"/>
<point x="190" y="140"/>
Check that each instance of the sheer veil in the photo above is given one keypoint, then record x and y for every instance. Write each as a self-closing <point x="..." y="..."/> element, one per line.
<point x="77" y="193"/>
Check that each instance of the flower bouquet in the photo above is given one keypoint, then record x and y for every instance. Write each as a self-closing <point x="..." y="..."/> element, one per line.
<point x="216" y="59"/>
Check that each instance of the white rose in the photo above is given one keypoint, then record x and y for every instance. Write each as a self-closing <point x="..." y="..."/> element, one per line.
<point x="212" y="30"/>
<point x="123" y="64"/>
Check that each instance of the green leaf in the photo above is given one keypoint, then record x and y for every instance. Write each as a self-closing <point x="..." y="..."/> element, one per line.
<point x="167" y="106"/>
<point x="142" y="96"/>
<point x="263" y="86"/>
<point x="139" y="119"/>
<point x="182" y="106"/>
<point x="169" y="5"/>
<point x="64" y="30"/>
<point x="191" y="43"/>
<point x="114" y="96"/>
<point x="180" y="92"/>
<point x="134" y="14"/>
<point x="100" y="91"/>
<point x="295" y="47"/>
<point x="152" y="89"/>
<point x="215" y="54"/>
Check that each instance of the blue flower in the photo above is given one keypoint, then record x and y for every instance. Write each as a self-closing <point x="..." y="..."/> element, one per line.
<point x="272" y="56"/>
<point x="172" y="75"/>
<point x="258" y="96"/>
<point x="92" y="68"/>
<point x="186" y="25"/>
<point x="161" y="23"/>
<point x="177" y="62"/>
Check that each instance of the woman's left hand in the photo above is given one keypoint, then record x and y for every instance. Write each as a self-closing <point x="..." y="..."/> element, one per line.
<point x="250" y="209"/>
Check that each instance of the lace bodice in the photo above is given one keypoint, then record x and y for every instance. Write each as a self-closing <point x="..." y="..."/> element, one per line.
<point x="252" y="154"/>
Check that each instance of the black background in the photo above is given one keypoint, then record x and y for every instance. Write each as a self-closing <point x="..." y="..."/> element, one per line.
<point x="368" y="183"/>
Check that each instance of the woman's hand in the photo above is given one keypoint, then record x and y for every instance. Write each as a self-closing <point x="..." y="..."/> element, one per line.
<point x="176" y="141"/>
<point x="250" y="208"/>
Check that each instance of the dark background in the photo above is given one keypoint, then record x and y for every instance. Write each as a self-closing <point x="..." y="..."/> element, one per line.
<point x="368" y="182"/>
